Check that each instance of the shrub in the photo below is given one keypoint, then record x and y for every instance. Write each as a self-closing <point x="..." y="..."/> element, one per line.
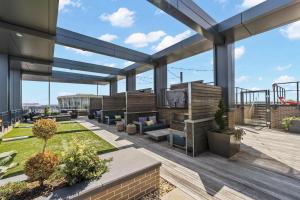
<point x="287" y="120"/>
<point x="40" y="166"/>
<point x="219" y="116"/>
<point x="82" y="163"/>
<point x="44" y="129"/>
<point x="11" y="190"/>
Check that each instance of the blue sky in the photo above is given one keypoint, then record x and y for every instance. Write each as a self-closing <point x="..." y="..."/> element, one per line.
<point x="260" y="60"/>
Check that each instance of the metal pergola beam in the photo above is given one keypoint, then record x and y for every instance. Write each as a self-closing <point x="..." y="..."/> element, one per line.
<point x="25" y="30"/>
<point x="31" y="60"/>
<point x="82" y="66"/>
<point x="261" y="18"/>
<point x="64" y="77"/>
<point x="190" y="14"/>
<point x="86" y="43"/>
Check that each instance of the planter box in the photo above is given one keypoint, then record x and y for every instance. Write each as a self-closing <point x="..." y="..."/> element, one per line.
<point x="131" y="175"/>
<point x="294" y="126"/>
<point x="222" y="144"/>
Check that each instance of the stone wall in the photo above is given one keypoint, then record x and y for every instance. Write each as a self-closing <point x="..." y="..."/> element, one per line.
<point x="280" y="112"/>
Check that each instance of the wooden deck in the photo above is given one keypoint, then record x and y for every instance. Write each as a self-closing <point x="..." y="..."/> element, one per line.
<point x="268" y="166"/>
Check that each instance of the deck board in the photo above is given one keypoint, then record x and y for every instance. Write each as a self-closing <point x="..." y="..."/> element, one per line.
<point x="267" y="167"/>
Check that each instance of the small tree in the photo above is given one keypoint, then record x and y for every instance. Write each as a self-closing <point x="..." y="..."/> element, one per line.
<point x="219" y="115"/>
<point x="44" y="129"/>
<point x="46" y="111"/>
<point x="40" y="166"/>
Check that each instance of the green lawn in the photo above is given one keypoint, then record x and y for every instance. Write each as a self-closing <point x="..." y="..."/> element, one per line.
<point x="66" y="132"/>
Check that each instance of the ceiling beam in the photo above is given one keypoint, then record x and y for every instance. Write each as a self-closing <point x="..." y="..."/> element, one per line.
<point x="86" y="43"/>
<point x="190" y="14"/>
<point x="64" y="77"/>
<point x="25" y="30"/>
<point x="82" y="66"/>
<point x="31" y="60"/>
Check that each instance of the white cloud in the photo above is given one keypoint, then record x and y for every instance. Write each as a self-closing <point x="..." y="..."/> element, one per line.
<point x="284" y="78"/>
<point x="255" y="88"/>
<point x="79" y="51"/>
<point x="292" y="31"/>
<point x="143" y="40"/>
<point x="242" y="79"/>
<point x="170" y="40"/>
<point x="108" y="37"/>
<point x="121" y="18"/>
<point x="127" y="63"/>
<point x="260" y="78"/>
<point x="239" y="52"/>
<point x="283" y="68"/>
<point x="65" y="93"/>
<point x="158" y="12"/>
<point x="251" y="3"/>
<point x="65" y="3"/>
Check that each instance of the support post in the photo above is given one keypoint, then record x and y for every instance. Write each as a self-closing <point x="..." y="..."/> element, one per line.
<point x="160" y="80"/>
<point x="4" y="83"/>
<point x="181" y="77"/>
<point x="225" y="76"/>
<point x="113" y="87"/>
<point x="131" y="81"/>
<point x="97" y="89"/>
<point x="49" y="93"/>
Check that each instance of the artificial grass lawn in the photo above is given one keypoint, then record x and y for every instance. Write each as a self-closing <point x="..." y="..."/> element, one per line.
<point x="59" y="142"/>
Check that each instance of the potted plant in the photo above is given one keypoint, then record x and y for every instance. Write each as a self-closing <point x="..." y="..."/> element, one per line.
<point x="223" y="140"/>
<point x="291" y="124"/>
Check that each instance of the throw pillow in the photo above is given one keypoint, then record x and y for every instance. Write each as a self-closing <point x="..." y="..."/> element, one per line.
<point x="149" y="123"/>
<point x="118" y="117"/>
<point x="142" y="120"/>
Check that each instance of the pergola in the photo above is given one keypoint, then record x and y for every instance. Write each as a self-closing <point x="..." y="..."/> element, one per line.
<point x="28" y="34"/>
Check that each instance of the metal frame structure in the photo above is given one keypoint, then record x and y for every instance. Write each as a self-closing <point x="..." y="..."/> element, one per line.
<point x="39" y="39"/>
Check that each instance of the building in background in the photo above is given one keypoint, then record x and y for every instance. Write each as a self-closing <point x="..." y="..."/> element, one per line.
<point x="75" y="102"/>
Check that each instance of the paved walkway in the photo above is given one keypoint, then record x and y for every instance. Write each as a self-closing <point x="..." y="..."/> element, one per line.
<point x="266" y="168"/>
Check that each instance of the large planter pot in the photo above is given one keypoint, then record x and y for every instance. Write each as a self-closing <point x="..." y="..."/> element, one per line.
<point x="223" y="144"/>
<point x="294" y="126"/>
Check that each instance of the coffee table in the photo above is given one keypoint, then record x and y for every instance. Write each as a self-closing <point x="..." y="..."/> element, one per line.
<point x="159" y="135"/>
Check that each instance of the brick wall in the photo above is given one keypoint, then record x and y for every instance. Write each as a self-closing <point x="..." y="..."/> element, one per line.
<point x="134" y="188"/>
<point x="280" y="112"/>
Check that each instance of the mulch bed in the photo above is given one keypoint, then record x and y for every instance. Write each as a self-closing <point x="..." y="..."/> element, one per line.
<point x="164" y="188"/>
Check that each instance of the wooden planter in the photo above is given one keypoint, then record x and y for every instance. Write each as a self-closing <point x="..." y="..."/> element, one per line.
<point x="222" y="144"/>
<point x="294" y="126"/>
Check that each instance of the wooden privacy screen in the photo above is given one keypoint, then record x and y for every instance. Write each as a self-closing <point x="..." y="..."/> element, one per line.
<point x="203" y="100"/>
<point x="114" y="102"/>
<point x="96" y="103"/>
<point x="140" y="102"/>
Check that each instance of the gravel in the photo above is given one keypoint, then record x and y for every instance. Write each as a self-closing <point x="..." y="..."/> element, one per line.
<point x="164" y="188"/>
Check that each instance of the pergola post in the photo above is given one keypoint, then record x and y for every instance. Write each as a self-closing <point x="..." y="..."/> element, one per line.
<point x="113" y="87"/>
<point x="225" y="76"/>
<point x="15" y="89"/>
<point x="131" y="81"/>
<point x="160" y="80"/>
<point x="4" y="83"/>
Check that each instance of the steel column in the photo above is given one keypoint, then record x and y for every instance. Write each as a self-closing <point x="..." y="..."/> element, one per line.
<point x="224" y="71"/>
<point x="131" y="81"/>
<point x="160" y="80"/>
<point x="113" y="87"/>
<point x="4" y="91"/>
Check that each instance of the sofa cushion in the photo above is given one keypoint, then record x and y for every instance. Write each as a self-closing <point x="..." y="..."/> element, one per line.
<point x="154" y="127"/>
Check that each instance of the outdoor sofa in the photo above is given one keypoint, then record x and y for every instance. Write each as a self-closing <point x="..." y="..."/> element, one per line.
<point x="112" y="117"/>
<point x="143" y="124"/>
